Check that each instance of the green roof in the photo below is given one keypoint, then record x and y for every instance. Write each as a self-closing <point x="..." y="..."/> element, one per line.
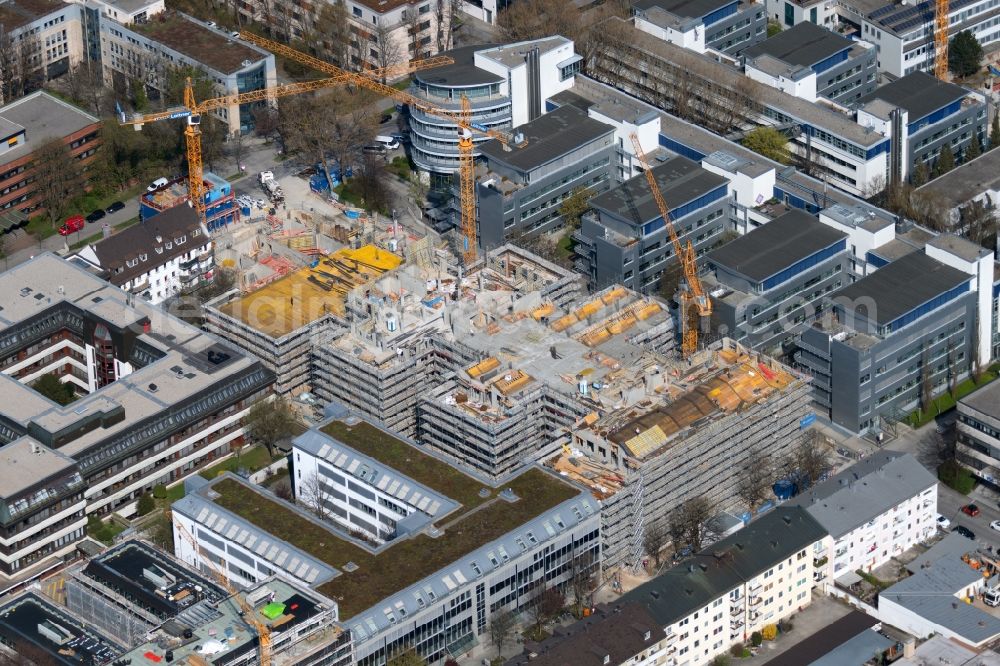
<point x="408" y="560"/>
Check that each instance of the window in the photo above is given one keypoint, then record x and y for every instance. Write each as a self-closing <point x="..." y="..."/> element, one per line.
<point x="357" y="12"/>
<point x="571" y="69"/>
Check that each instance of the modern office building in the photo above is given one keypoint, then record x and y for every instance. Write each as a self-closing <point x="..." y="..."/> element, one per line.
<point x="809" y="61"/>
<point x="464" y="550"/>
<point x="623" y="239"/>
<point x="788" y="13"/>
<point x="154" y="400"/>
<point x="978" y="443"/>
<point x="768" y="284"/>
<point x="924" y="114"/>
<point x="43" y="40"/>
<point x="873" y="511"/>
<point x="892" y="340"/>
<point x="27" y="124"/>
<point x="506" y="85"/>
<point x="643" y="462"/>
<point x="722" y="595"/>
<point x="520" y="189"/>
<point x="156" y="41"/>
<point x="721" y="25"/>
<point x="158" y="259"/>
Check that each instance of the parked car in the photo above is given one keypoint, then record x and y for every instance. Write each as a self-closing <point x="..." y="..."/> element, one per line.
<point x="157" y="184"/>
<point x="71" y="224"/>
<point x="942" y="522"/>
<point x="995" y="525"/>
<point x="374" y="150"/>
<point x="235" y="34"/>
<point x="115" y="207"/>
<point x="966" y="532"/>
<point x="970" y="510"/>
<point x="96" y="215"/>
<point x="386" y="118"/>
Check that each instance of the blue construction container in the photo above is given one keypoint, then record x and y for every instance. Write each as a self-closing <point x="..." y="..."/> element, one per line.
<point x="784" y="489"/>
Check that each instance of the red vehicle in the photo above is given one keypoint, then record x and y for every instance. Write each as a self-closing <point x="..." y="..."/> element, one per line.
<point x="71" y="224"/>
<point x="971" y="510"/>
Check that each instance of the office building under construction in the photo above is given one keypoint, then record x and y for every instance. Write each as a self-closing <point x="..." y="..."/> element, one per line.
<point x="732" y="408"/>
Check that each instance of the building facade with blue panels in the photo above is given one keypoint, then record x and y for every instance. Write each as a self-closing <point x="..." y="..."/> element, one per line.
<point x="729" y="27"/>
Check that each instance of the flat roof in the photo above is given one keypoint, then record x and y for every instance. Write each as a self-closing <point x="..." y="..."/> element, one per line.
<point x="726" y="564"/>
<point x="25" y="462"/>
<point x="803" y="44"/>
<point x="967" y="181"/>
<point x="43" y="117"/>
<point x="919" y="93"/>
<point x="962" y="248"/>
<point x="39" y="625"/>
<point x="460" y="73"/>
<point x="685" y="8"/>
<point x="773" y="247"/>
<point x="680" y="181"/>
<point x="404" y="561"/>
<point x="190" y="37"/>
<point x="549" y="137"/>
<point x="16" y="14"/>
<point x="864" y="491"/>
<point x="513" y="55"/>
<point x="985" y="400"/>
<point x="900" y="287"/>
<point x="848" y="641"/>
<point x="282" y="306"/>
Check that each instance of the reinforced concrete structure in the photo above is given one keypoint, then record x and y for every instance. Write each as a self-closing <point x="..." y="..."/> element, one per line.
<point x="32" y="626"/>
<point x="277" y="321"/>
<point x="713" y="419"/>
<point x="154" y="399"/>
<point x="461" y="550"/>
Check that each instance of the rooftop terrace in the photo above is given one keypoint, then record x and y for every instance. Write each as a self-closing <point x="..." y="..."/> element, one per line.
<point x="202" y="44"/>
<point x="307" y="294"/>
<point x="403" y="562"/>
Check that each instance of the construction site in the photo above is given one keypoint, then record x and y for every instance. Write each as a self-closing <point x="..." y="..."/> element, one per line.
<point x="701" y="426"/>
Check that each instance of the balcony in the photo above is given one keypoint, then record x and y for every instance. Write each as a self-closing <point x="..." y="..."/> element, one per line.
<point x="736" y="623"/>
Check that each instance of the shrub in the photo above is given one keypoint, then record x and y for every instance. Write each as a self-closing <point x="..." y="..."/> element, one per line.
<point x="736" y="650"/>
<point x="784" y="626"/>
<point x="746" y="653"/>
<point x="145" y="505"/>
<point x="756" y="639"/>
<point x="160" y="491"/>
<point x="769" y="632"/>
<point x="956" y="477"/>
<point x="721" y="660"/>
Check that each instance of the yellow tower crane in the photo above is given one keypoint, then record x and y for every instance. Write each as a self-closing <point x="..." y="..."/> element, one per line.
<point x="941" y="10"/>
<point x="192" y="110"/>
<point x="262" y="630"/>
<point x="462" y="118"/>
<point x="695" y="305"/>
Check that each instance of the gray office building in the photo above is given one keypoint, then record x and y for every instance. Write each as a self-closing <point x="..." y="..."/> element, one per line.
<point x="521" y="189"/>
<point x="978" y="443"/>
<point x="624" y="239"/>
<point x="729" y="26"/>
<point x="768" y="284"/>
<point x="892" y="338"/>
<point x="845" y="70"/>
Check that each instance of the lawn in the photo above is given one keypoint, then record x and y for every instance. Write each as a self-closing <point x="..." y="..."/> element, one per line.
<point x="406" y="561"/>
<point x="103" y="531"/>
<point x="945" y="402"/>
<point x="254" y="459"/>
<point x="565" y="247"/>
<point x="400" y="166"/>
<point x="348" y="195"/>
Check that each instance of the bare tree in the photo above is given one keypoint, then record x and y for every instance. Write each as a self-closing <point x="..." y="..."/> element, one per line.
<point x="371" y="183"/>
<point x="85" y="84"/>
<point x="58" y="178"/>
<point x="979" y="224"/>
<point x="936" y="447"/>
<point x="20" y="64"/>
<point x="754" y="485"/>
<point x="545" y="605"/>
<point x="502" y="624"/>
<point x="654" y="540"/>
<point x="271" y="421"/>
<point x="236" y="146"/>
<point x="687" y="523"/>
<point x="265" y="122"/>
<point x="312" y="493"/>
<point x="387" y="50"/>
<point x="333" y="29"/>
<point x="926" y="382"/>
<point x="581" y="579"/>
<point x="446" y="19"/>
<point x="531" y="19"/>
<point x="812" y="458"/>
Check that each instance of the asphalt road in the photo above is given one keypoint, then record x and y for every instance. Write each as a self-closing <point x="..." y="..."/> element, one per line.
<point x="951" y="502"/>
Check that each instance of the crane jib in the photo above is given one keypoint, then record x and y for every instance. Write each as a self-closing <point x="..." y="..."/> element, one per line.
<point x="477" y="126"/>
<point x="180" y="114"/>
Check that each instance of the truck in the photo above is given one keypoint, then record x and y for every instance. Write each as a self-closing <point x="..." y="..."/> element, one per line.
<point x="271" y="187"/>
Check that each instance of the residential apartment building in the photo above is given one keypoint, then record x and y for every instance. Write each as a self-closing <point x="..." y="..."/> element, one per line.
<point x="728" y="26"/>
<point x="26" y="125"/>
<point x="768" y="285"/>
<point x="644" y="461"/>
<point x="789" y="13"/>
<point x="622" y="634"/>
<point x="433" y="589"/>
<point x="809" y="61"/>
<point x="720" y="596"/>
<point x="44" y="40"/>
<point x="624" y="239"/>
<point x="145" y="46"/>
<point x="156" y="259"/>
<point x="873" y="511"/>
<point x="845" y="153"/>
<point x="155" y="399"/>
<point x="506" y="86"/>
<point x="978" y="443"/>
<point x="923" y="115"/>
<point x="890" y="338"/>
<point x="520" y="190"/>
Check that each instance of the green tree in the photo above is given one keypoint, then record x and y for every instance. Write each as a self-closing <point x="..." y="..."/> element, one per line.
<point x="58" y="178"/>
<point x="768" y="142"/>
<point x="140" y="100"/>
<point x="145" y="504"/>
<point x="53" y="389"/>
<point x="773" y="28"/>
<point x="995" y="132"/>
<point x="919" y="176"/>
<point x="945" y="161"/>
<point x="965" y="54"/>
<point x="271" y="421"/>
<point x="973" y="150"/>
<point x="574" y="206"/>
<point x="160" y="491"/>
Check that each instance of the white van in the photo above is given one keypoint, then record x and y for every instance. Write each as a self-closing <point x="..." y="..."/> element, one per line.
<point x="157" y="184"/>
<point x="991" y="597"/>
<point x="390" y="142"/>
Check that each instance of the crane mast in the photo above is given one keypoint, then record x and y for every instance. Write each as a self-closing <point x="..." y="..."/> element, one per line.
<point x="941" y="10"/>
